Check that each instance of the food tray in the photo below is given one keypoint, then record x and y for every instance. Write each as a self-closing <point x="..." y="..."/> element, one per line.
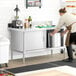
<point x="44" y="26"/>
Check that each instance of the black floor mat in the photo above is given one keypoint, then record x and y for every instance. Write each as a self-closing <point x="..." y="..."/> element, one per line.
<point x="30" y="68"/>
<point x="62" y="63"/>
<point x="42" y="66"/>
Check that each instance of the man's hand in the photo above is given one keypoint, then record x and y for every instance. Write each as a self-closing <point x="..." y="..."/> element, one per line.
<point x="64" y="32"/>
<point x="51" y="34"/>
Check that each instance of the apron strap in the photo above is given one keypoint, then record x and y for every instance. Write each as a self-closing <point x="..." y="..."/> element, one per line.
<point x="67" y="42"/>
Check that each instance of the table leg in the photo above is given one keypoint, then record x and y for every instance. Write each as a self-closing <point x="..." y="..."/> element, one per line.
<point x="23" y="48"/>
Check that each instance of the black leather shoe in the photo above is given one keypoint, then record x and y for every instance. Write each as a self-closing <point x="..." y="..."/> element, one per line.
<point x="68" y="60"/>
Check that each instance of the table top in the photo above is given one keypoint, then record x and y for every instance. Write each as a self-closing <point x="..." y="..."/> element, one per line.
<point x="31" y="29"/>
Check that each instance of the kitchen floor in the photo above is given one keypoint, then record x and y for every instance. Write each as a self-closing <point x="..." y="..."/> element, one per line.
<point x="36" y="60"/>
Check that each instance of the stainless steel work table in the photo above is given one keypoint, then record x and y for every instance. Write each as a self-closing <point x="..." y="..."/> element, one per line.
<point x="23" y="31"/>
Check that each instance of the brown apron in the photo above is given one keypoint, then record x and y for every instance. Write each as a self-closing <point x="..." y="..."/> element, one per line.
<point x="67" y="42"/>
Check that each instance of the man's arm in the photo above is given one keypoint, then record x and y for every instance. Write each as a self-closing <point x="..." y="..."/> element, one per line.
<point x="55" y="31"/>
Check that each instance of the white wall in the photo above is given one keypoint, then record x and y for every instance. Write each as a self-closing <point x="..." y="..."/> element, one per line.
<point x="48" y="11"/>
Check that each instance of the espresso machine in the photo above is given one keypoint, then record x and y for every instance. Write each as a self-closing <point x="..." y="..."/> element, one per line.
<point x="16" y="23"/>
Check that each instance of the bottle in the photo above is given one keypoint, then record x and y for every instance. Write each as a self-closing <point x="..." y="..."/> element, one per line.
<point x="30" y="21"/>
<point x="26" y="25"/>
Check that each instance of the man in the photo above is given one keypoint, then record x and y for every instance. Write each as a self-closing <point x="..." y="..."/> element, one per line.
<point x="69" y="21"/>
